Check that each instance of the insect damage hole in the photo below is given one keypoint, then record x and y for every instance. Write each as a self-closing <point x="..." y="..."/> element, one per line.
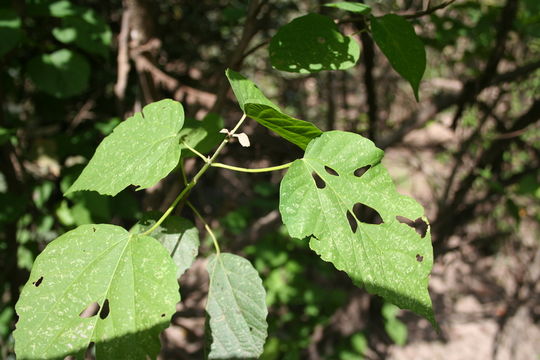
<point x="367" y="214"/>
<point x="331" y="171"/>
<point x="361" y="171"/>
<point x="419" y="225"/>
<point x="352" y="222"/>
<point x="318" y="180"/>
<point x="419" y="258"/>
<point x="38" y="282"/>
<point x="104" y="310"/>
<point x="90" y="310"/>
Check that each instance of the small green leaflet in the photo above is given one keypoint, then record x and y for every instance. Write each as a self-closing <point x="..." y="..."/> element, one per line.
<point x="312" y="43"/>
<point x="358" y="8"/>
<point x="130" y="277"/>
<point x="62" y="74"/>
<point x="257" y="106"/>
<point x="141" y="151"/>
<point x="320" y="197"/>
<point x="405" y="51"/>
<point x="236" y="309"/>
<point x="178" y="235"/>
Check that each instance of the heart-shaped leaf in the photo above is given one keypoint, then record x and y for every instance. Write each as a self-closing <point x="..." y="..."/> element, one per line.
<point x="100" y="284"/>
<point x="141" y="151"/>
<point x="341" y="196"/>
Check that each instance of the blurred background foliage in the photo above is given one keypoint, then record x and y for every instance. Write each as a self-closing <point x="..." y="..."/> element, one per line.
<point x="469" y="151"/>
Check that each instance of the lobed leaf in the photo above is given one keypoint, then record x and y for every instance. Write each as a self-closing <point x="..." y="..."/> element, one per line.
<point x="398" y="41"/>
<point x="257" y="106"/>
<point x="141" y="151"/>
<point x="178" y="235"/>
<point x="97" y="283"/>
<point x="236" y="308"/>
<point x="312" y="43"/>
<point x="324" y="196"/>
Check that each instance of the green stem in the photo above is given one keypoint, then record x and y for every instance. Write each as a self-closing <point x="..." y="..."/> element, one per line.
<point x="260" y="170"/>
<point x="206" y="226"/>
<point x="196" y="178"/>
<point x="205" y="159"/>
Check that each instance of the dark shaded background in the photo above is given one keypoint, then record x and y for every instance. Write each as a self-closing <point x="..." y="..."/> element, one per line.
<point x="469" y="151"/>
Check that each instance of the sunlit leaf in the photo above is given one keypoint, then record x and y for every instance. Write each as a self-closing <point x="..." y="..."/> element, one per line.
<point x="335" y="194"/>
<point x="358" y="8"/>
<point x="101" y="284"/>
<point x="405" y="51"/>
<point x="258" y="107"/>
<point x="312" y="43"/>
<point x="236" y="309"/>
<point x="141" y="151"/>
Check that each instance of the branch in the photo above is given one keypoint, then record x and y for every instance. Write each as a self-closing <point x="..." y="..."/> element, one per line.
<point x="428" y="11"/>
<point x="472" y="88"/>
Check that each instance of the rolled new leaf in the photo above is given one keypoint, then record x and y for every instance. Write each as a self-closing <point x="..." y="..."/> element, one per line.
<point x="140" y="151"/>
<point x="342" y="197"/>
<point x="97" y="284"/>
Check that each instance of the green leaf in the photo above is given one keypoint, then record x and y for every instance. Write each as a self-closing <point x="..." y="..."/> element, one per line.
<point x="178" y="235"/>
<point x="202" y="135"/>
<point x="87" y="30"/>
<point x="63" y="8"/>
<point x="312" y="43"/>
<point x="320" y="197"/>
<point x="405" y="51"/>
<point x="141" y="151"/>
<point x="10" y="32"/>
<point x="257" y="106"/>
<point x="299" y="132"/>
<point x="130" y="277"/>
<point x="62" y="74"/>
<point x="350" y="6"/>
<point x="236" y="308"/>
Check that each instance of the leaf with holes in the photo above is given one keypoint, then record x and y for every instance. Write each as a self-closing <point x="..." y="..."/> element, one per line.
<point x="141" y="151"/>
<point x="312" y="43"/>
<point x="341" y="196"/>
<point x="257" y="106"/>
<point x="178" y="235"/>
<point x="236" y="308"/>
<point x="405" y="51"/>
<point x="97" y="284"/>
